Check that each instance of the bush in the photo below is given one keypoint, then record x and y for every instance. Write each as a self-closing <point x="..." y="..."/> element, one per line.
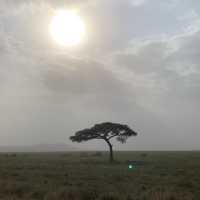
<point x="144" y="155"/>
<point x="98" y="154"/>
<point x="84" y="154"/>
<point x="13" y="155"/>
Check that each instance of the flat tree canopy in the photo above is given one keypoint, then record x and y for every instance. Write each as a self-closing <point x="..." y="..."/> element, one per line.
<point x="105" y="131"/>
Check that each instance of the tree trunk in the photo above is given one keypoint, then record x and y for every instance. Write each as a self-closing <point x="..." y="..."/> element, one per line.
<point x="111" y="151"/>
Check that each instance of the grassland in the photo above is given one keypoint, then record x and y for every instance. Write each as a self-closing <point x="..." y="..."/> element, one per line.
<point x="89" y="176"/>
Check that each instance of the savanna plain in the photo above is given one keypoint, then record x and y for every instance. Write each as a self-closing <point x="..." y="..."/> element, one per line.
<point x="89" y="176"/>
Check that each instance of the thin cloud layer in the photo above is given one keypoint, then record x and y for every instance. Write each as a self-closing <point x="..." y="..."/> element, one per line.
<point x="136" y="66"/>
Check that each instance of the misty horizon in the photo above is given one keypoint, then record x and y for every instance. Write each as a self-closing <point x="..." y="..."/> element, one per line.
<point x="137" y="64"/>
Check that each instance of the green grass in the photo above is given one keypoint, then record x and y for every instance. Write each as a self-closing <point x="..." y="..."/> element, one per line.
<point x="89" y="176"/>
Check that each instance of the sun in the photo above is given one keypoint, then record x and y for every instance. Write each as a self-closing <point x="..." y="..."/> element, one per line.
<point x="67" y="28"/>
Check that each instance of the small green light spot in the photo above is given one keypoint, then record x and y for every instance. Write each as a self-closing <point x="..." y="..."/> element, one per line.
<point x="130" y="166"/>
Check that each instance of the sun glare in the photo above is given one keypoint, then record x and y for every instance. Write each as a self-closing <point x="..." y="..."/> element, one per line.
<point x="67" y="28"/>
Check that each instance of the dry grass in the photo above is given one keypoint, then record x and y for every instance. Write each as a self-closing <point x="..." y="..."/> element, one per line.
<point x="88" y="176"/>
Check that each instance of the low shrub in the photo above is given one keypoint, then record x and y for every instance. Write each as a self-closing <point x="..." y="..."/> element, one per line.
<point x="98" y="154"/>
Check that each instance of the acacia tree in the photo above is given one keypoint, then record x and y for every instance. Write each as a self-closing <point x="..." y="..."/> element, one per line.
<point x="105" y="131"/>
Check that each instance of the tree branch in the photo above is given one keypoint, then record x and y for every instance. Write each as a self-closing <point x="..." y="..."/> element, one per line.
<point x="111" y="136"/>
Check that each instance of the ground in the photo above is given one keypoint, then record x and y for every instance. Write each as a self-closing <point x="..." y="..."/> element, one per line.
<point x="89" y="176"/>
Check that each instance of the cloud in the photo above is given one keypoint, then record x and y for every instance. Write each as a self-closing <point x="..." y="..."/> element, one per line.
<point x="138" y="2"/>
<point x="138" y="66"/>
<point x="174" y="70"/>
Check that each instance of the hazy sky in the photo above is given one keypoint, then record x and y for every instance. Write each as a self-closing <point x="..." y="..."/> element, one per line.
<point x="139" y="64"/>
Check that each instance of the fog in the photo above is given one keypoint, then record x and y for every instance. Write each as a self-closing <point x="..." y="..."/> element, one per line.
<point x="138" y="65"/>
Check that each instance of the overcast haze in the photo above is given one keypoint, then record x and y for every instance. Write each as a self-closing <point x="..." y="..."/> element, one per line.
<point x="139" y="65"/>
